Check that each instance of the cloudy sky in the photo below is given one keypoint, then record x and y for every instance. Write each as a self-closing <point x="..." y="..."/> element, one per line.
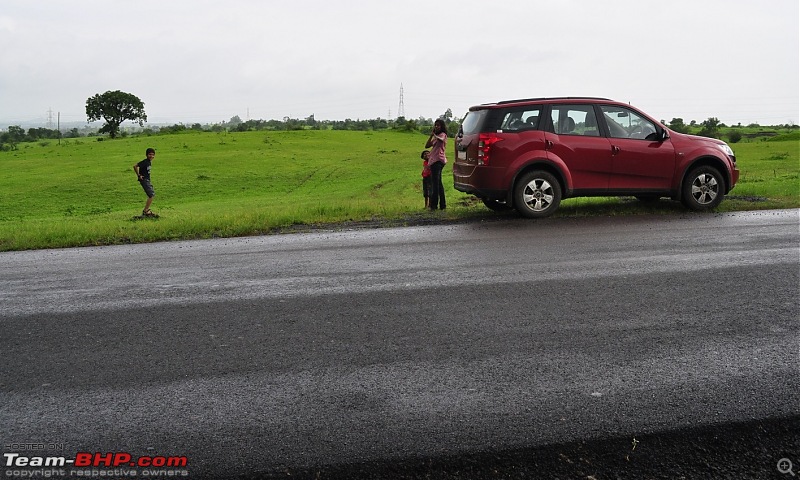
<point x="206" y="61"/>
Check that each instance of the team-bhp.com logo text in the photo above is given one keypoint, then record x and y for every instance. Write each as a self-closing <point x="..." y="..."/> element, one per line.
<point x="122" y="463"/>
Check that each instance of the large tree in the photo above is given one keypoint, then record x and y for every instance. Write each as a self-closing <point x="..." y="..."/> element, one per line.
<point x="13" y="136"/>
<point x="678" y="125"/>
<point x="710" y="128"/>
<point x="115" y="107"/>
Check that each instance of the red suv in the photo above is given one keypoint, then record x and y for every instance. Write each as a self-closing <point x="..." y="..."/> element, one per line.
<point x="529" y="154"/>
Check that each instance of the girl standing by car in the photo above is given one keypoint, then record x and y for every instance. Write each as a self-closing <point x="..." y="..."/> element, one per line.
<point x="436" y="160"/>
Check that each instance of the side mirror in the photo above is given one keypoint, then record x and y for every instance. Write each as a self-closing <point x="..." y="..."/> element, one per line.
<point x="664" y="135"/>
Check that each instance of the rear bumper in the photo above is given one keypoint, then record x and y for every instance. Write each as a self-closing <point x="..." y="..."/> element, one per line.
<point x="483" y="182"/>
<point x="480" y="192"/>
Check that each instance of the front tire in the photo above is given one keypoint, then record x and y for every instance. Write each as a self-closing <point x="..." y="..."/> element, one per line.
<point x="703" y="189"/>
<point x="537" y="194"/>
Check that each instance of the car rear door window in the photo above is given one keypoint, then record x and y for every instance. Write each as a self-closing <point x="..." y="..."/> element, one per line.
<point x="516" y="120"/>
<point x="574" y="120"/>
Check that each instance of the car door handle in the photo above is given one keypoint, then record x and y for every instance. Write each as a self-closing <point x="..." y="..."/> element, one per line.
<point x="548" y="145"/>
<point x="614" y="150"/>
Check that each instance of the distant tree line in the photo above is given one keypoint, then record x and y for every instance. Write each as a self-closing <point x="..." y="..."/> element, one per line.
<point x="116" y="107"/>
<point x="310" y="123"/>
<point x="15" y="135"/>
<point x="236" y="124"/>
<point x="712" y="128"/>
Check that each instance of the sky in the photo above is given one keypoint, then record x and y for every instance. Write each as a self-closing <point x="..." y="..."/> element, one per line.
<point x="201" y="61"/>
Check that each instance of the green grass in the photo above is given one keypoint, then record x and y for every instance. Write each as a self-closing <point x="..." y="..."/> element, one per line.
<point x="84" y="191"/>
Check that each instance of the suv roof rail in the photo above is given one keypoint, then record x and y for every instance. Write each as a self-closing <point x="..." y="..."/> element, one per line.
<point x="505" y="102"/>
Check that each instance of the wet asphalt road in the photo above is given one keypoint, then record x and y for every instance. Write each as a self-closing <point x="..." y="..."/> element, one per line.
<point x="296" y="352"/>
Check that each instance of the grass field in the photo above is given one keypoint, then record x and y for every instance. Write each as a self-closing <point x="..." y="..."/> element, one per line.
<point x="84" y="192"/>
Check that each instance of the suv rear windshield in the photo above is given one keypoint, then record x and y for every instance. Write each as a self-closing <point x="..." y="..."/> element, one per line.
<point x="514" y="119"/>
<point x="473" y="121"/>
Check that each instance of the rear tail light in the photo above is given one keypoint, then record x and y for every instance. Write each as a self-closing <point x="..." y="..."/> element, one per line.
<point x="485" y="142"/>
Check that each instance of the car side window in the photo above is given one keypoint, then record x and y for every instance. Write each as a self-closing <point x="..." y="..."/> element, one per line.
<point x="625" y="123"/>
<point x="574" y="120"/>
<point x="521" y="119"/>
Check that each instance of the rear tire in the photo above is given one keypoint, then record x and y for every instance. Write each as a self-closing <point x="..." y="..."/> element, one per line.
<point x="537" y="194"/>
<point x="703" y="188"/>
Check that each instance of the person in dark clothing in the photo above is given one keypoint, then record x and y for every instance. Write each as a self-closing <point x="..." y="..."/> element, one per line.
<point x="142" y="170"/>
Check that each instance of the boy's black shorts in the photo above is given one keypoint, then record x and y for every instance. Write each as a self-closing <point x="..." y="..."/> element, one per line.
<point x="148" y="187"/>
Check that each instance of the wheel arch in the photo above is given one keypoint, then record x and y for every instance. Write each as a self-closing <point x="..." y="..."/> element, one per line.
<point x="564" y="180"/>
<point x="710" y="161"/>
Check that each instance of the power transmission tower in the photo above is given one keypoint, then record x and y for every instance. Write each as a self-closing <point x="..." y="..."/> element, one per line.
<point x="50" y="118"/>
<point x="401" y="110"/>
